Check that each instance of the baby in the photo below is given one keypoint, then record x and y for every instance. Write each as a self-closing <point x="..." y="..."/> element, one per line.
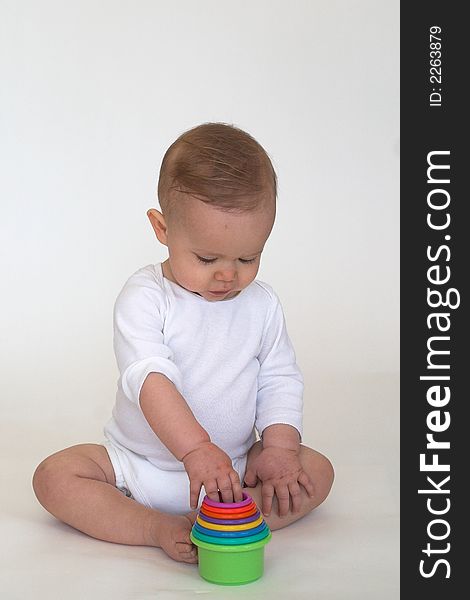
<point x="205" y="362"/>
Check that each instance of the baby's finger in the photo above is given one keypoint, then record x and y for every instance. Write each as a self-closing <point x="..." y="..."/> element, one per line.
<point x="225" y="487"/>
<point x="296" y="496"/>
<point x="305" y="480"/>
<point x="190" y="559"/>
<point x="250" y="478"/>
<point x="282" y="493"/>
<point x="212" y="489"/>
<point x="236" y="487"/>
<point x="194" y="491"/>
<point x="267" y="493"/>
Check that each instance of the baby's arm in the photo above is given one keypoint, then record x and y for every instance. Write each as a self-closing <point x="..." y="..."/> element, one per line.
<point x="279" y="417"/>
<point x="279" y="469"/>
<point x="173" y="422"/>
<point x="151" y="379"/>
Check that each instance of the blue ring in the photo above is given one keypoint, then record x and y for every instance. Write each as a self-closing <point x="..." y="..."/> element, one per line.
<point x="229" y="534"/>
<point x="230" y="541"/>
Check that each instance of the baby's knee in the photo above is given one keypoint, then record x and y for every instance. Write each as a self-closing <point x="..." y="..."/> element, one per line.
<point x="319" y="469"/>
<point x="46" y="478"/>
<point x="57" y="473"/>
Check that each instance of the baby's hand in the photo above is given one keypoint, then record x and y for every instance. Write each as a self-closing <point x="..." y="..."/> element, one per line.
<point x="280" y="473"/>
<point x="211" y="467"/>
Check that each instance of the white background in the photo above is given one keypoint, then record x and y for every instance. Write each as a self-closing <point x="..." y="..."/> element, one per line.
<point x="93" y="94"/>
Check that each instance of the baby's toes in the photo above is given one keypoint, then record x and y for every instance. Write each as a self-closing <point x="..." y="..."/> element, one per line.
<point x="187" y="552"/>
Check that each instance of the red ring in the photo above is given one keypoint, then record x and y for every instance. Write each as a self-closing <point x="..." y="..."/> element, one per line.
<point x="228" y="515"/>
<point x="224" y="511"/>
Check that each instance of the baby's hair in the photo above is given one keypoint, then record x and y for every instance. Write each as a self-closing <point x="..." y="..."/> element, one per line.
<point x="219" y="164"/>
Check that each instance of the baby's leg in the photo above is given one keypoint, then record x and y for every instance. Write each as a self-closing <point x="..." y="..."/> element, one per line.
<point x="321" y="473"/>
<point x="77" y="485"/>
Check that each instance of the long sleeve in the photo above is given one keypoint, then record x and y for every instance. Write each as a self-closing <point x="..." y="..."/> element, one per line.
<point x="138" y="336"/>
<point x="280" y="382"/>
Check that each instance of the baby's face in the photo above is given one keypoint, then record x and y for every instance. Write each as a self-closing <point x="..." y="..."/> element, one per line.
<point x="213" y="252"/>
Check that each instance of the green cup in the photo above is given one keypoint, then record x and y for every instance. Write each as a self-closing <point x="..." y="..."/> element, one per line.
<point x="231" y="565"/>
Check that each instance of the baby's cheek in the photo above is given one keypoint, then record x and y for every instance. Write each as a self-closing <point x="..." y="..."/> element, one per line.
<point x="193" y="279"/>
<point x="248" y="281"/>
<point x="202" y="278"/>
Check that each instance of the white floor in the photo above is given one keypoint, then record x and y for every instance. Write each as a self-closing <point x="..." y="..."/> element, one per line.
<point x="347" y="549"/>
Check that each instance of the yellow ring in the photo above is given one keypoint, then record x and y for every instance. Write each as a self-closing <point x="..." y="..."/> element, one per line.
<point x="241" y="527"/>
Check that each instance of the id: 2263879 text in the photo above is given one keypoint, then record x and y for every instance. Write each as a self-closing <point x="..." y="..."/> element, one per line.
<point x="435" y="72"/>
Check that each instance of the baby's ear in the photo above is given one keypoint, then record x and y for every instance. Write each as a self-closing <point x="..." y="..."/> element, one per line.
<point x="157" y="220"/>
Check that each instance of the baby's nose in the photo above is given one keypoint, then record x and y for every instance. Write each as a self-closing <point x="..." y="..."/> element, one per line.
<point x="226" y="275"/>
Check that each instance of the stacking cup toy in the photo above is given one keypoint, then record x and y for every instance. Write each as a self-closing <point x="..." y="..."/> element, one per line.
<point x="230" y="538"/>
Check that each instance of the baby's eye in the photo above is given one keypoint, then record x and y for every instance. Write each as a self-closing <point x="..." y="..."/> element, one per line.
<point x="247" y="261"/>
<point x="206" y="261"/>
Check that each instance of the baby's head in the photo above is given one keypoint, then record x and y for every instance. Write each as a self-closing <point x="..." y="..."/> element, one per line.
<point x="217" y="191"/>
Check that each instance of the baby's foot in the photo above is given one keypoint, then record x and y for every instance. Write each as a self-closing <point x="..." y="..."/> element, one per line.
<point x="172" y="535"/>
<point x="192" y="516"/>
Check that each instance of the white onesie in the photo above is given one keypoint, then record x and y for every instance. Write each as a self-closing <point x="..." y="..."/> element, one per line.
<point x="231" y="360"/>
